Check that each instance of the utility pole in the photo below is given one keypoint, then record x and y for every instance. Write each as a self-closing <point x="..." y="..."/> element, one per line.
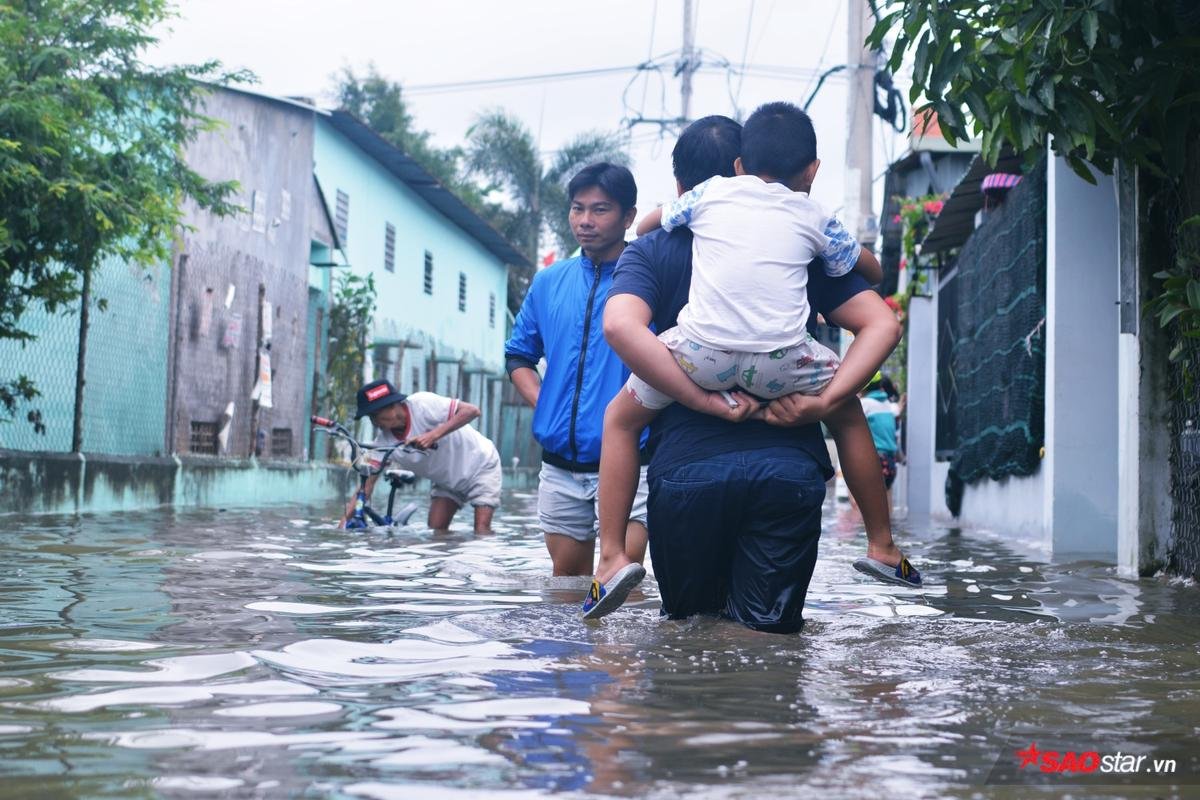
<point x="860" y="111"/>
<point x="686" y="65"/>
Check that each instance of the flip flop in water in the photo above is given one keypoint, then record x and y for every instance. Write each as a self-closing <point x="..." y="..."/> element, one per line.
<point x="606" y="598"/>
<point x="903" y="574"/>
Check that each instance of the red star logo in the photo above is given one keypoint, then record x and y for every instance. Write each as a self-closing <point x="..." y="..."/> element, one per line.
<point x="1029" y="756"/>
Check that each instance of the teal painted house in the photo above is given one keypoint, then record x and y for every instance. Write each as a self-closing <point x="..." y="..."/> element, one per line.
<point x="440" y="270"/>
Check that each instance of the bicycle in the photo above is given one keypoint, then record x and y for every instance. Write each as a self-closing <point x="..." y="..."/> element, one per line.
<point x="362" y="463"/>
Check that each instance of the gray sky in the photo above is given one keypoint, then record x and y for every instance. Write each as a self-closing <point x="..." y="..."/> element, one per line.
<point x="294" y="46"/>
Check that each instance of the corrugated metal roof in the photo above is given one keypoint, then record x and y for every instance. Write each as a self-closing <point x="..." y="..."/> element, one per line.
<point x="956" y="222"/>
<point x="428" y="187"/>
<point x="294" y="102"/>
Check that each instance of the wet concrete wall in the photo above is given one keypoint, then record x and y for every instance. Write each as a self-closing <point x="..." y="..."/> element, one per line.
<point x="69" y="483"/>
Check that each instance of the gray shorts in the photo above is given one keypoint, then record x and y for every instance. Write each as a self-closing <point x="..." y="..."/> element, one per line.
<point x="484" y="489"/>
<point x="567" y="502"/>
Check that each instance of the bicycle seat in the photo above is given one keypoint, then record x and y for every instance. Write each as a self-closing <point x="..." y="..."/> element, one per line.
<point x="398" y="476"/>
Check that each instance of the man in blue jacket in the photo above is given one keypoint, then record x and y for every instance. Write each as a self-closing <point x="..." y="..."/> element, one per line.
<point x="561" y="321"/>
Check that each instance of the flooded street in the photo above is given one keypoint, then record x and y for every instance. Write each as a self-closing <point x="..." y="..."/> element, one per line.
<point x="266" y="654"/>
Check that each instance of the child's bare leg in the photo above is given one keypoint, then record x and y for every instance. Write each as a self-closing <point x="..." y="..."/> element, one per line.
<point x="624" y="420"/>
<point x="864" y="479"/>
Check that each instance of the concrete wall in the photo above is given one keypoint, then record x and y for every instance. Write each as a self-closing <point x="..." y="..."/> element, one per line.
<point x="1014" y="504"/>
<point x="70" y="483"/>
<point x="267" y="147"/>
<point x="52" y="483"/>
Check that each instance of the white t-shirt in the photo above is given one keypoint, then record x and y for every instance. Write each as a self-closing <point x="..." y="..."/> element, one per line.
<point x="751" y="247"/>
<point x="460" y="454"/>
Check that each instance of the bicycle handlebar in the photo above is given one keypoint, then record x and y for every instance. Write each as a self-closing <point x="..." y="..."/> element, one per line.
<point x="335" y="428"/>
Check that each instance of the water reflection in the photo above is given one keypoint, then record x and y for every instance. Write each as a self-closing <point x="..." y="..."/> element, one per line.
<point x="415" y="664"/>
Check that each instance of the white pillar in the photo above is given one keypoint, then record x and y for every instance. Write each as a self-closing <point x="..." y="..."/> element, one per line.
<point x="1083" y="428"/>
<point x="1128" y="447"/>
<point x="922" y="403"/>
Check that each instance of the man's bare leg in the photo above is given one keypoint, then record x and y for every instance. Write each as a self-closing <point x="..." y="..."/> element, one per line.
<point x="441" y="512"/>
<point x="624" y="420"/>
<point x="570" y="556"/>
<point x="636" y="539"/>
<point x="864" y="478"/>
<point x="483" y="519"/>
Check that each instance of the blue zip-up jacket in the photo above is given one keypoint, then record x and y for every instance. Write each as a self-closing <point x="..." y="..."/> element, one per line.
<point x="562" y="320"/>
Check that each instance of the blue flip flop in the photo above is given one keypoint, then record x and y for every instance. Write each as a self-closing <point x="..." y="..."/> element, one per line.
<point x="903" y="574"/>
<point x="603" y="599"/>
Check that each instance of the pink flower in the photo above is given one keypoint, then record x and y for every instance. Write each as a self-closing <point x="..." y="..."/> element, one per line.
<point x="903" y="263"/>
<point x="934" y="206"/>
<point x="896" y="219"/>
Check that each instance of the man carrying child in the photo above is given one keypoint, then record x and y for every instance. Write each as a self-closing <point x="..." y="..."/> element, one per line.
<point x="754" y="235"/>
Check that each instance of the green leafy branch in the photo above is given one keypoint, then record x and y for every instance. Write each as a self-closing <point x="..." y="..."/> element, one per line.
<point x="1179" y="302"/>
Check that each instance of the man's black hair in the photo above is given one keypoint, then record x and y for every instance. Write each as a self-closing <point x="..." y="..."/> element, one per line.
<point x="778" y="140"/>
<point x="616" y="181"/>
<point x="708" y="147"/>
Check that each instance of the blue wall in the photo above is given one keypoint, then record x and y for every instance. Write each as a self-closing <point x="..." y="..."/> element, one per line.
<point x="404" y="311"/>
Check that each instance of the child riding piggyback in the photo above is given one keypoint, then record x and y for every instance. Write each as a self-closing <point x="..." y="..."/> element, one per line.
<point x="754" y="236"/>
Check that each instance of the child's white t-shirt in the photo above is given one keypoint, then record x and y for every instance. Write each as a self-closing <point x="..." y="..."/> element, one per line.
<point x="751" y="247"/>
<point x="460" y="454"/>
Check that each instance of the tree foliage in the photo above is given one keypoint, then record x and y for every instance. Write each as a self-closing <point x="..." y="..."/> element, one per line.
<point x="350" y="317"/>
<point x="503" y="151"/>
<point x="1101" y="79"/>
<point x="91" y="152"/>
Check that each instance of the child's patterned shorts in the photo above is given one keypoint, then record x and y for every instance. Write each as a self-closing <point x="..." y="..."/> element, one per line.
<point x="805" y="367"/>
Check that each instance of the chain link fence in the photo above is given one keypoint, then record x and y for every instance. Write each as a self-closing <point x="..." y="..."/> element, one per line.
<point x="125" y="378"/>
<point x="1166" y="243"/>
<point x="1184" y="422"/>
<point x="998" y="363"/>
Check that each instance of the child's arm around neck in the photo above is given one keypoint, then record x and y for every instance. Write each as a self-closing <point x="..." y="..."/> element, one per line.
<point x="650" y="222"/>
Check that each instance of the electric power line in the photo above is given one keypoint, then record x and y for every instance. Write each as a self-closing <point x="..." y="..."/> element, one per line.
<point x="745" y="51"/>
<point x="649" y="53"/>
<point x="837" y="14"/>
<point x="485" y="83"/>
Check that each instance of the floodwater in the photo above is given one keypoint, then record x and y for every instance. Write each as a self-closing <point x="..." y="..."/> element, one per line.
<point x="266" y="654"/>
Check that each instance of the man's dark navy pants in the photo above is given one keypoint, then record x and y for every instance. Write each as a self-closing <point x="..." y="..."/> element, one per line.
<point x="736" y="534"/>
